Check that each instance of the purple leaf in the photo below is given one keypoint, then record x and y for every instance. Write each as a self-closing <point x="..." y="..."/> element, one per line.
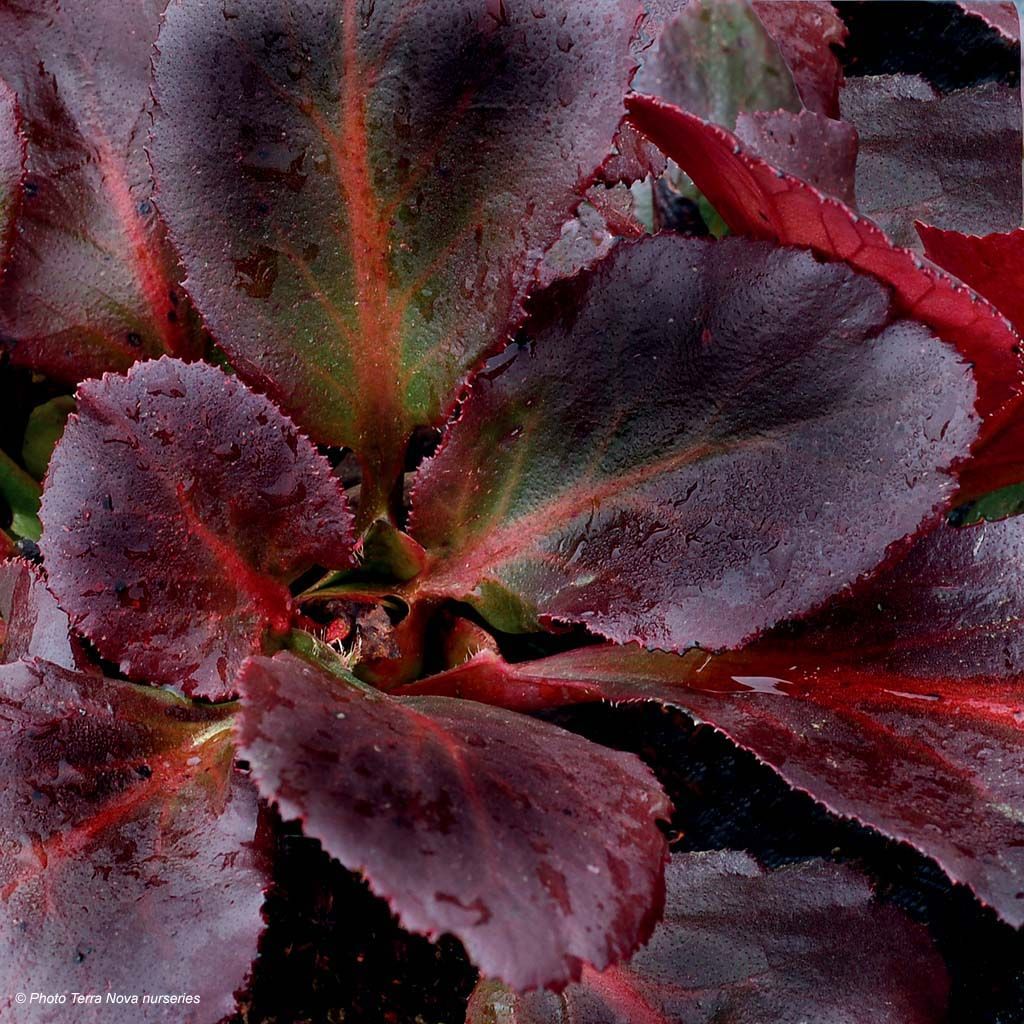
<point x="12" y="168"/>
<point x="178" y="507"/>
<point x="1001" y="16"/>
<point x="809" y="146"/>
<point x="760" y="201"/>
<point x="805" y="944"/>
<point x="806" y="32"/>
<point x="92" y="284"/>
<point x="953" y="161"/>
<point x="749" y="431"/>
<point x="902" y="707"/>
<point x="329" y="173"/>
<point x="130" y="863"/>
<point x="537" y="848"/>
<point x="35" y="625"/>
<point x="994" y="266"/>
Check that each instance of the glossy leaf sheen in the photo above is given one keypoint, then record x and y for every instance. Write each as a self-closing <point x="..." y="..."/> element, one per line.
<point x="806" y="32"/>
<point x="600" y="222"/>
<point x="92" y="284"/>
<point x="760" y="201"/>
<point x="127" y="856"/>
<point x="747" y="436"/>
<point x="809" y="146"/>
<point x="178" y="506"/>
<point x="993" y="265"/>
<point x="1001" y="16"/>
<point x="535" y="847"/>
<point x="35" y="625"/>
<point x="805" y="944"/>
<point x="12" y="167"/>
<point x="902" y="707"/>
<point x="953" y="161"/>
<point x="360" y="192"/>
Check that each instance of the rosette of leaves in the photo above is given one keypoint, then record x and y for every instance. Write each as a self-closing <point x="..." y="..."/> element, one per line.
<point x="716" y="472"/>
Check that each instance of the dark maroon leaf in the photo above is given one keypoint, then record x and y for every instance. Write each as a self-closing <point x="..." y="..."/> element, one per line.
<point x="809" y="146"/>
<point x="902" y="707"/>
<point x="1002" y="16"/>
<point x="12" y="168"/>
<point x="806" y="32"/>
<point x="748" y="430"/>
<point x="34" y="626"/>
<point x="361" y="192"/>
<point x="179" y="505"/>
<point x="92" y="284"/>
<point x="953" y="161"/>
<point x="535" y="847"/>
<point x="994" y="266"/>
<point x="805" y="944"/>
<point x="760" y="201"/>
<point x="129" y="860"/>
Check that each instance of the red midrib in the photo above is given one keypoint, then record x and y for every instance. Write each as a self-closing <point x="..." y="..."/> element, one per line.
<point x="375" y="363"/>
<point x="616" y="988"/>
<point x="463" y="569"/>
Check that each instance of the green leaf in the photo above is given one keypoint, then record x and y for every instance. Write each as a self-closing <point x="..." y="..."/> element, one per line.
<point x="45" y="427"/>
<point x="22" y="495"/>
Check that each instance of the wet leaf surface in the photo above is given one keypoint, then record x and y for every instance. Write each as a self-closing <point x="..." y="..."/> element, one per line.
<point x="807" y="31"/>
<point x="129" y="859"/>
<point x="329" y="171"/>
<point x="536" y="848"/>
<point x="805" y="944"/>
<point x="35" y="627"/>
<point x="761" y="201"/>
<point x="949" y="160"/>
<point x="993" y="265"/>
<point x="1000" y="16"/>
<point x="902" y="707"/>
<point x="12" y="167"/>
<point x="711" y="504"/>
<point x="810" y="146"/>
<point x="92" y="284"/>
<point x="179" y="506"/>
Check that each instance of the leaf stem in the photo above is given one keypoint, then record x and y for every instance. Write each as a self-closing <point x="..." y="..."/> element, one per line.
<point x="315" y="651"/>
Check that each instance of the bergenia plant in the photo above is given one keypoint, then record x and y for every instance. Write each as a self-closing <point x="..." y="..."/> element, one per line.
<point x="441" y="363"/>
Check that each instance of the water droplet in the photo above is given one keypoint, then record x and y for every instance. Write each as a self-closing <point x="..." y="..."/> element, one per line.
<point x="256" y="274"/>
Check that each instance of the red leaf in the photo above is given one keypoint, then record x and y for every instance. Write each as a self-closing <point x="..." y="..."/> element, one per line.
<point x="994" y="267"/>
<point x="92" y="284"/>
<point x="1000" y="16"/>
<point x="535" y="847"/>
<point x="902" y="707"/>
<point x="740" y="449"/>
<point x="756" y="199"/>
<point x="127" y="828"/>
<point x="178" y="506"/>
<point x="35" y="626"/>
<point x="361" y="192"/>
<point x="951" y="160"/>
<point x="809" y="146"/>
<point x="12" y="168"/>
<point x="806" y="942"/>
<point x="806" y="32"/>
